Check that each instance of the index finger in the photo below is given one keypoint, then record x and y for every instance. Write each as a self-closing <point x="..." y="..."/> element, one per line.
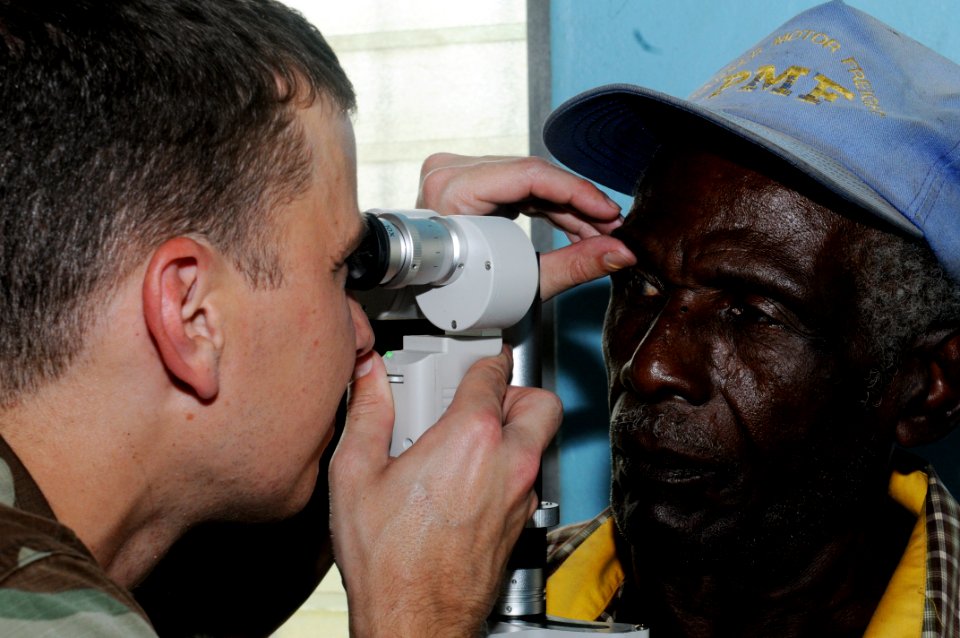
<point x="452" y="187"/>
<point x="482" y="390"/>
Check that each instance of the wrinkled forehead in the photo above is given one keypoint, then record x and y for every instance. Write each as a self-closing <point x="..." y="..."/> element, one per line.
<point x="703" y="188"/>
<point x="694" y="199"/>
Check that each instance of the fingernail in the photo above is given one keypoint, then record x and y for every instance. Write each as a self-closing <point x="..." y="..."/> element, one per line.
<point x="363" y="366"/>
<point x="610" y="202"/>
<point x="616" y="261"/>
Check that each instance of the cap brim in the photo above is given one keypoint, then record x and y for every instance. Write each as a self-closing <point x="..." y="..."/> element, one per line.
<point x="609" y="134"/>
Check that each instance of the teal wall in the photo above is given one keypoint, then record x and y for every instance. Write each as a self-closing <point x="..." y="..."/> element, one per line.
<point x="672" y="46"/>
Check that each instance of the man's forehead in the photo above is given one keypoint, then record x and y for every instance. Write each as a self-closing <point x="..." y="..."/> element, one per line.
<point x="331" y="145"/>
<point x="731" y="190"/>
<point x="716" y="205"/>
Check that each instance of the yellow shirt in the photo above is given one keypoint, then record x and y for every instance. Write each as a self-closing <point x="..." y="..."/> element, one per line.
<point x="590" y="578"/>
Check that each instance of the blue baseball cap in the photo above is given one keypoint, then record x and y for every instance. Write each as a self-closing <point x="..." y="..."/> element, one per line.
<point x="862" y="109"/>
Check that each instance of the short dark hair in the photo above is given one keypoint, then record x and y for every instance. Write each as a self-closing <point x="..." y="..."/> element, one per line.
<point x="124" y="123"/>
<point x="903" y="294"/>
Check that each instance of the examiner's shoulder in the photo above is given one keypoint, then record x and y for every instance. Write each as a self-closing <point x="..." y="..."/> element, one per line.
<point x="50" y="584"/>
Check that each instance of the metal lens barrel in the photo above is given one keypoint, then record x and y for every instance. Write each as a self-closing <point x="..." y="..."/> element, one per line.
<point x="401" y="250"/>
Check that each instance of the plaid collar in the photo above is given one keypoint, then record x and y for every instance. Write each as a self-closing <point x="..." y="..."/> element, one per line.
<point x="941" y="613"/>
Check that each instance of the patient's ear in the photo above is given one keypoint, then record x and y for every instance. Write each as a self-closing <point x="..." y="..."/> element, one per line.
<point x="179" y="307"/>
<point x="934" y="407"/>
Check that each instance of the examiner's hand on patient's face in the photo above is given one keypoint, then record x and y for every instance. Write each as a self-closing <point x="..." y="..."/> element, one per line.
<point x="422" y="539"/>
<point x="454" y="184"/>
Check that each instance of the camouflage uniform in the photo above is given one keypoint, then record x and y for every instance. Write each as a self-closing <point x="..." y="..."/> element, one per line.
<point x="50" y="584"/>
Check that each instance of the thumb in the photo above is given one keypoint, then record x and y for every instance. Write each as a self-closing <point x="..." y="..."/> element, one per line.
<point x="581" y="262"/>
<point x="365" y="442"/>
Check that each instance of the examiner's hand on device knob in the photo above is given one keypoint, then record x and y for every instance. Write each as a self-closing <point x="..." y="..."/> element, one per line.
<point x="456" y="184"/>
<point x="423" y="539"/>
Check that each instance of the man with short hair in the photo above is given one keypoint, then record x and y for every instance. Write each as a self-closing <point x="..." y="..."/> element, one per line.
<point x="177" y="200"/>
<point x="793" y="319"/>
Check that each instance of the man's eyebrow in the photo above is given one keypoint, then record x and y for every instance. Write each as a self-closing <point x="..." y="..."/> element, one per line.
<point x="778" y="280"/>
<point x="354" y="242"/>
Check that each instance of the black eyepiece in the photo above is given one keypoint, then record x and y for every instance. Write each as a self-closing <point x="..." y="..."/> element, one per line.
<point x="368" y="264"/>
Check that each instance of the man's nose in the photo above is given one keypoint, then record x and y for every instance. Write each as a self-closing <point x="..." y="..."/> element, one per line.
<point x="361" y="328"/>
<point x="672" y="360"/>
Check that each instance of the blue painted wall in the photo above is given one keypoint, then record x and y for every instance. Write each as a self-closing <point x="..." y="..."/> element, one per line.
<point x="673" y="47"/>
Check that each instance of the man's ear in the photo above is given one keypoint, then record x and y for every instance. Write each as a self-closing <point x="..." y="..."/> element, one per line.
<point x="181" y="316"/>
<point x="934" y="408"/>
